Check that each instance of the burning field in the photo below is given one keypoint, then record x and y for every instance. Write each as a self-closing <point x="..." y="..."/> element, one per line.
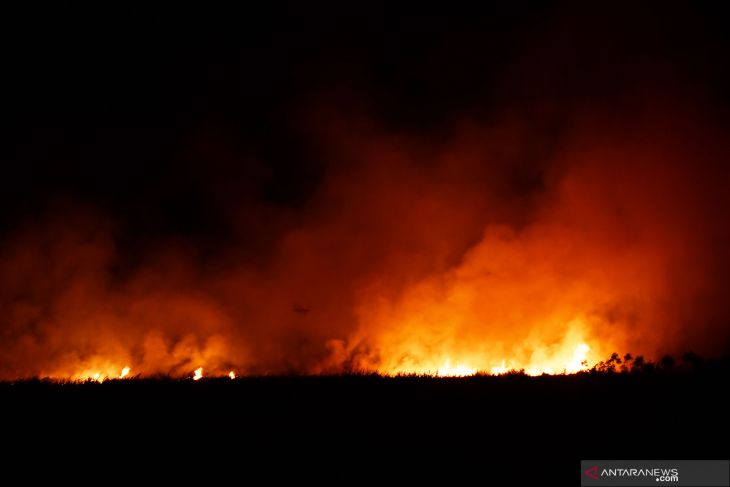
<point x="518" y="201"/>
<point x="447" y="258"/>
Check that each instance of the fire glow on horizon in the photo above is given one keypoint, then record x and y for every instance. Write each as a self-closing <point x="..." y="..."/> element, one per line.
<point x="494" y="198"/>
<point x="576" y="363"/>
<point x="396" y="266"/>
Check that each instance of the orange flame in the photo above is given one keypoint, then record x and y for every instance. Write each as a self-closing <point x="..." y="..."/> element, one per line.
<point x="458" y="370"/>
<point x="442" y="274"/>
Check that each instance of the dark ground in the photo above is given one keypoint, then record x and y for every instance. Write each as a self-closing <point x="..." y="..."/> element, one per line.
<point x="522" y="430"/>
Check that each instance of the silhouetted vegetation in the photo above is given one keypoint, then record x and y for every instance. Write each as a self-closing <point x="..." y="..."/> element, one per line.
<point x="556" y="420"/>
<point x="690" y="363"/>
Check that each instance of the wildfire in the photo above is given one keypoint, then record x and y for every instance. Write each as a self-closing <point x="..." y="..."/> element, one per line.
<point x="394" y="264"/>
<point x="99" y="374"/>
<point x="458" y="370"/>
<point x="568" y="356"/>
<point x="578" y="362"/>
<point x="500" y="369"/>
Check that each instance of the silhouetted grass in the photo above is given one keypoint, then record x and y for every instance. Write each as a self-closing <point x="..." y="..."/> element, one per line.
<point x="617" y="410"/>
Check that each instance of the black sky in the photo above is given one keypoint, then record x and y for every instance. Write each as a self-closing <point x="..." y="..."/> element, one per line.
<point x="170" y="118"/>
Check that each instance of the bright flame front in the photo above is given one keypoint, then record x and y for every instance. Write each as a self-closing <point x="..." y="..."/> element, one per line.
<point x="457" y="370"/>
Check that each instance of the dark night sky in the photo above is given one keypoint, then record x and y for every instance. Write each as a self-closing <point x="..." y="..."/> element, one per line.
<point x="171" y="118"/>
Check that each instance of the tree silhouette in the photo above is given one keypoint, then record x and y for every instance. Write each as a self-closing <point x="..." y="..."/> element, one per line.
<point x="638" y="364"/>
<point x="692" y="361"/>
<point x="667" y="362"/>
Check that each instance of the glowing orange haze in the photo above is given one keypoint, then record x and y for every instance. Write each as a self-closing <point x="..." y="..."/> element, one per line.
<point x="413" y="257"/>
